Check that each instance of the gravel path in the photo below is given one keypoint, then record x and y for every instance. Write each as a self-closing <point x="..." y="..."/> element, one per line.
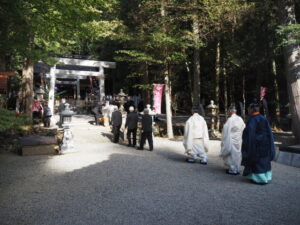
<point x="106" y="183"/>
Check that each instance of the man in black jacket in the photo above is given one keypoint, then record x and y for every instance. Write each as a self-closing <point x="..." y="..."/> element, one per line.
<point x="131" y="125"/>
<point x="116" y="119"/>
<point x="47" y="114"/>
<point x="128" y="104"/>
<point x="146" y="131"/>
<point x="96" y="112"/>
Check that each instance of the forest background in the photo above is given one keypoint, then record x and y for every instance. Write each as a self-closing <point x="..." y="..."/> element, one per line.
<point x="224" y="50"/>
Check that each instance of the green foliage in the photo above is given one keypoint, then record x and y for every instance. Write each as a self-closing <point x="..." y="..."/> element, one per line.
<point x="8" y="120"/>
<point x="144" y="86"/>
<point x="136" y="34"/>
<point x="14" y="82"/>
<point x="289" y="34"/>
<point x="38" y="29"/>
<point x="2" y="101"/>
<point x="134" y="56"/>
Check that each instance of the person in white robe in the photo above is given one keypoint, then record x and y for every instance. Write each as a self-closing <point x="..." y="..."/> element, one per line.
<point x="196" y="139"/>
<point x="231" y="142"/>
<point x="110" y="111"/>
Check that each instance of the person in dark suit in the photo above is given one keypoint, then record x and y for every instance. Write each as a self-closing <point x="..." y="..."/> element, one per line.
<point x="47" y="114"/>
<point x="61" y="108"/>
<point x="146" y="130"/>
<point x="116" y="120"/>
<point x="96" y="112"/>
<point x="128" y="104"/>
<point x="131" y="125"/>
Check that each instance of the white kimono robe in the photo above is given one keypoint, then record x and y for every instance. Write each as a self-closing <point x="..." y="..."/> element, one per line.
<point x="231" y="142"/>
<point x="196" y="139"/>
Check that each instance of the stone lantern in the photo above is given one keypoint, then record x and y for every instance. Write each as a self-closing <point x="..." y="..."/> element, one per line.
<point x="66" y="115"/>
<point x="212" y="113"/>
<point x="212" y="109"/>
<point x="122" y="97"/>
<point x="40" y="93"/>
<point x="67" y="143"/>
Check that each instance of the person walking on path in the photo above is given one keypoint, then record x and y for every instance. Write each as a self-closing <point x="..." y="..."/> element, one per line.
<point x="146" y="131"/>
<point x="128" y="104"/>
<point x="131" y="125"/>
<point x="47" y="114"/>
<point x="61" y="108"/>
<point x="116" y="123"/>
<point x="196" y="139"/>
<point x="37" y="110"/>
<point x="231" y="142"/>
<point x="258" y="149"/>
<point x="96" y="112"/>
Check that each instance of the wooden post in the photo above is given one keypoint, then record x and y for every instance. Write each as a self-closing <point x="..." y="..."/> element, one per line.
<point x="27" y="83"/>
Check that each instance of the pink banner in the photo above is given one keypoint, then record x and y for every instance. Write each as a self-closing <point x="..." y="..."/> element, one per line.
<point x="157" y="97"/>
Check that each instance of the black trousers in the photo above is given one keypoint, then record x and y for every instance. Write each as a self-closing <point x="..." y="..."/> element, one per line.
<point x="47" y="120"/>
<point x="116" y="132"/>
<point x="133" y="132"/>
<point x="97" y="116"/>
<point x="148" y="136"/>
<point x="36" y="116"/>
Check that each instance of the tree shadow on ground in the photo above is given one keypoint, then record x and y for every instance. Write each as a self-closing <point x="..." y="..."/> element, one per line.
<point x="171" y="155"/>
<point x="108" y="135"/>
<point x="137" y="189"/>
<point x="212" y="167"/>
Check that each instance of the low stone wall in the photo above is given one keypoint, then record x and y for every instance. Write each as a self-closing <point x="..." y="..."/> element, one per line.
<point x="39" y="145"/>
<point x="289" y="155"/>
<point x="160" y="127"/>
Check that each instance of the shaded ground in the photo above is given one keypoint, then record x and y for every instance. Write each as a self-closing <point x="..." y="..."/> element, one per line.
<point x="106" y="183"/>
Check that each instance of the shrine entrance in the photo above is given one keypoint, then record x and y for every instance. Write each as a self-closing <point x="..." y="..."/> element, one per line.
<point x="73" y="77"/>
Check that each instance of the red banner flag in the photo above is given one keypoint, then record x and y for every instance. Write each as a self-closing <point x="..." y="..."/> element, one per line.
<point x="157" y="97"/>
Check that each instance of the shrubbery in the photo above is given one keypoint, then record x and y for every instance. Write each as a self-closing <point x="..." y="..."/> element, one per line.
<point x="9" y="121"/>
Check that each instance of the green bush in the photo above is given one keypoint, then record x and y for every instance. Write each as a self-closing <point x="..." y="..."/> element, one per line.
<point x="8" y="120"/>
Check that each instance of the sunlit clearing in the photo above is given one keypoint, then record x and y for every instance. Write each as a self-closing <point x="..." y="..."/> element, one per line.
<point x="74" y="161"/>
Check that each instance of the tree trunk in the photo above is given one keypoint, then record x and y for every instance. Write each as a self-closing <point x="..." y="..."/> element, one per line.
<point x="218" y="72"/>
<point x="292" y="66"/>
<point x="225" y="90"/>
<point x="2" y="63"/>
<point x="196" y="63"/>
<point x="217" y="85"/>
<point x="190" y="81"/>
<point x="146" y="81"/>
<point x="276" y="94"/>
<point x="244" y="94"/>
<point x="232" y="90"/>
<point x="168" y="99"/>
<point x="167" y="82"/>
<point x="27" y="85"/>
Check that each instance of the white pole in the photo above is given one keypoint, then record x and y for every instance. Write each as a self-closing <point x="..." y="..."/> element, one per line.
<point x="101" y="85"/>
<point x="52" y="89"/>
<point x="78" y="91"/>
